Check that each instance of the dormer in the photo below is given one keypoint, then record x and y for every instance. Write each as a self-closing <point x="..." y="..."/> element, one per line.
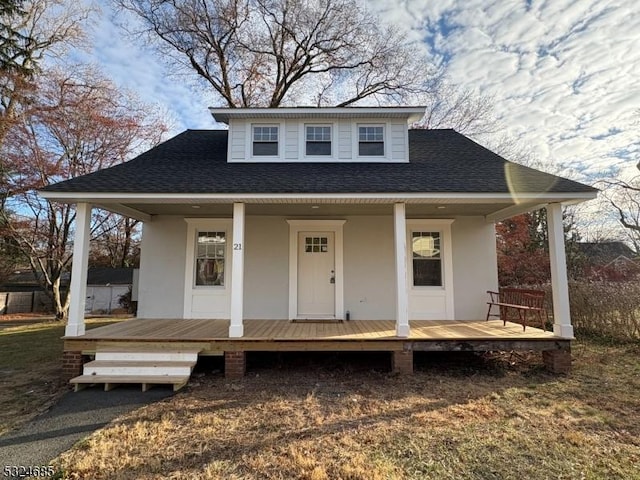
<point x="308" y="134"/>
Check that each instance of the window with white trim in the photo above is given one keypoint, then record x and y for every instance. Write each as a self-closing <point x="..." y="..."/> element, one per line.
<point x="210" y="259"/>
<point x="265" y="140"/>
<point x="371" y="140"/>
<point x="318" y="140"/>
<point x="427" y="259"/>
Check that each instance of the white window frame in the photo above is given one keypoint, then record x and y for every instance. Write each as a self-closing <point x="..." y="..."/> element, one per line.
<point x="281" y="138"/>
<point x="220" y="295"/>
<point x="386" y="136"/>
<point x="440" y="258"/>
<point x="226" y="273"/>
<point x="302" y="135"/>
<point x="445" y="291"/>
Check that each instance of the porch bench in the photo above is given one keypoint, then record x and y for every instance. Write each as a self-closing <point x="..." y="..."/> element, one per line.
<point x="518" y="301"/>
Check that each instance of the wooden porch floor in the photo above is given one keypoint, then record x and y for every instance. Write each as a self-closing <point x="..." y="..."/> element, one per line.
<point x="283" y="330"/>
<point x="211" y="336"/>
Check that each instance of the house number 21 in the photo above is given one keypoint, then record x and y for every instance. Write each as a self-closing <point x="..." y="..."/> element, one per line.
<point x="237" y="246"/>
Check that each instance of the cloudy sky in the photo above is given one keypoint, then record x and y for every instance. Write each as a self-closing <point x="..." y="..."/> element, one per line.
<point x="564" y="74"/>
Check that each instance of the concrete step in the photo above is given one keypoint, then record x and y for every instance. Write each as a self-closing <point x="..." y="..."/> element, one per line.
<point x="136" y="368"/>
<point x="111" y="381"/>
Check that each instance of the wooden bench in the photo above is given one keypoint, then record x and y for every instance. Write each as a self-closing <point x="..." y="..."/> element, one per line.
<point x="516" y="303"/>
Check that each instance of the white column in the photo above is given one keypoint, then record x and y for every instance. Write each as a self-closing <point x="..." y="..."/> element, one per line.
<point x="562" y="317"/>
<point x="78" y="287"/>
<point x="236" y="328"/>
<point x="402" y="294"/>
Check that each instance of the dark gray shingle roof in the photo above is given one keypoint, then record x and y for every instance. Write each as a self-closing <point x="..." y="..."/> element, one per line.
<point x="440" y="161"/>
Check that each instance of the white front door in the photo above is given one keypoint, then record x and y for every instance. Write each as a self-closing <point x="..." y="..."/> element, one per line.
<point x="316" y="275"/>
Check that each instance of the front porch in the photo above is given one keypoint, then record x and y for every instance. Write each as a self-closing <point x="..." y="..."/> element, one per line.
<point x="211" y="337"/>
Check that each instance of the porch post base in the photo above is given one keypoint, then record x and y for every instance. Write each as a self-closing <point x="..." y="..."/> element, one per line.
<point x="72" y="363"/>
<point x="74" y="329"/>
<point x="564" y="331"/>
<point x="402" y="362"/>
<point x="236" y="331"/>
<point x="402" y="331"/>
<point x="235" y="365"/>
<point x="557" y="361"/>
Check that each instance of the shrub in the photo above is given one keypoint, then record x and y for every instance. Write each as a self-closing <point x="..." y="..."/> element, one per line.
<point x="604" y="308"/>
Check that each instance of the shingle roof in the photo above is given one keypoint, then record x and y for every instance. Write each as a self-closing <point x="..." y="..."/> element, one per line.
<point x="440" y="161"/>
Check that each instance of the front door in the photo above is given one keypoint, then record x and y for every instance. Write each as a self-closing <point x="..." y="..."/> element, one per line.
<point x="316" y="275"/>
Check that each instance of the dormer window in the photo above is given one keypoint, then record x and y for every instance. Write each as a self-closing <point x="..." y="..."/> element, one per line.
<point x="371" y="140"/>
<point x="318" y="140"/>
<point x="265" y="140"/>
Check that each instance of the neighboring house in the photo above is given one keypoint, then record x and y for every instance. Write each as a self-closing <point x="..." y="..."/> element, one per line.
<point x="23" y="293"/>
<point x="106" y="286"/>
<point x="610" y="259"/>
<point x="313" y="214"/>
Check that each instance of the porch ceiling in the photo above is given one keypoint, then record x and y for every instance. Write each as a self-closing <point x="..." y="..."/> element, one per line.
<point x="434" y="210"/>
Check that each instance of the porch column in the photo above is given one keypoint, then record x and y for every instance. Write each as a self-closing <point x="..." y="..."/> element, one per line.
<point x="236" y="328"/>
<point x="561" y="315"/>
<point x="78" y="286"/>
<point x="402" y="295"/>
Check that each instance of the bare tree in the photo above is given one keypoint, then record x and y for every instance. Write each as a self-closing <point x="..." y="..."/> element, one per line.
<point x="450" y="106"/>
<point x="263" y="53"/>
<point x="33" y="30"/>
<point x="624" y="197"/>
<point x="116" y="241"/>
<point x="79" y="123"/>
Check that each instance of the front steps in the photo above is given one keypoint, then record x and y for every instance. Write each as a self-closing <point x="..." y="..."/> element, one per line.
<point x="116" y="365"/>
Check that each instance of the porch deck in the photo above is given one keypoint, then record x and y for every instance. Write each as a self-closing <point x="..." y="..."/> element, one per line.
<point x="211" y="336"/>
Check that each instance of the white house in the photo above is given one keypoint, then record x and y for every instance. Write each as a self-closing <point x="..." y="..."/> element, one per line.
<point x="316" y="215"/>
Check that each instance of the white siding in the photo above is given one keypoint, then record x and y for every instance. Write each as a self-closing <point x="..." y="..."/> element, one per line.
<point x="266" y="267"/>
<point x="344" y="140"/>
<point x="162" y="264"/>
<point x="369" y="266"/>
<point x="475" y="266"/>
<point x="398" y="138"/>
<point x="237" y="139"/>
<point x="290" y="140"/>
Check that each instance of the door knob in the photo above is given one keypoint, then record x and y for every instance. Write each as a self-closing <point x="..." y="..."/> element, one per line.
<point x="332" y="278"/>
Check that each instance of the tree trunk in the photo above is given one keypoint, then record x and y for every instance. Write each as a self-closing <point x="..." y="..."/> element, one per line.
<point x="61" y="310"/>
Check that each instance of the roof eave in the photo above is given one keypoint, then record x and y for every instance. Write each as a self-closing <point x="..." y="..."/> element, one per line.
<point x="410" y="114"/>
<point x="126" y="197"/>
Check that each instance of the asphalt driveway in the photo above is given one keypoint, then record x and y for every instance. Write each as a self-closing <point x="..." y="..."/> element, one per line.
<point x="74" y="417"/>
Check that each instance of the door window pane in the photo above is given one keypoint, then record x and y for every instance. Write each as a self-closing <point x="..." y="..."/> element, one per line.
<point x="210" y="259"/>
<point x="316" y="245"/>
<point x="427" y="262"/>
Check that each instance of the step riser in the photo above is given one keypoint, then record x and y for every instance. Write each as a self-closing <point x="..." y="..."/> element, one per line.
<point x="137" y="371"/>
<point x="147" y="356"/>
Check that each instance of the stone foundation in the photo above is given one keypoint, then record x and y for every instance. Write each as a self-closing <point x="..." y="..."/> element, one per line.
<point x="235" y="364"/>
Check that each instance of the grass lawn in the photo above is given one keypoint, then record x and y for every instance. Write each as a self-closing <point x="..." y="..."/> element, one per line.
<point x="312" y="417"/>
<point x="31" y="368"/>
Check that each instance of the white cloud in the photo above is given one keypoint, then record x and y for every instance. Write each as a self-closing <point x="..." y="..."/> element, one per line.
<point x="564" y="73"/>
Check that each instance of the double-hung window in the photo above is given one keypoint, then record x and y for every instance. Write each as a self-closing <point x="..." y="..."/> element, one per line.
<point x="265" y="140"/>
<point x="318" y="140"/>
<point x="371" y="141"/>
<point x="427" y="259"/>
<point x="210" y="259"/>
